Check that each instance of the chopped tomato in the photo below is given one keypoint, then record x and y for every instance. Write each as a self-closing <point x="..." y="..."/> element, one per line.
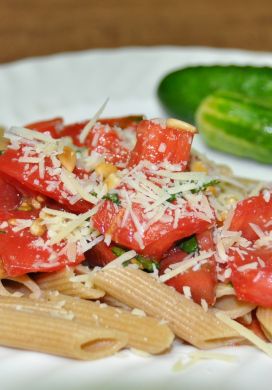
<point x="252" y="284"/>
<point x="13" y="195"/>
<point x="254" y="210"/>
<point x="22" y="252"/>
<point x="205" y="240"/>
<point x="50" y="185"/>
<point x="103" y="138"/>
<point x="100" y="255"/>
<point x="53" y="126"/>
<point x="202" y="282"/>
<point x="156" y="239"/>
<point x="157" y="144"/>
<point x="173" y="256"/>
<point x="106" y="141"/>
<point x="10" y="198"/>
<point x="73" y="131"/>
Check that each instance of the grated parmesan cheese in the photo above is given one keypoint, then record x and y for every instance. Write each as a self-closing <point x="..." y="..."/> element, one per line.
<point x="246" y="333"/>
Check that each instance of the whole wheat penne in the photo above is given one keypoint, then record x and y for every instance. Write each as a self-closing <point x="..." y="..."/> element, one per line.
<point x="223" y="289"/>
<point x="143" y="332"/>
<point x="66" y="282"/>
<point x="111" y="301"/>
<point x="232" y="307"/>
<point x="264" y="316"/>
<point x="187" y="319"/>
<point x="56" y="336"/>
<point x="19" y="285"/>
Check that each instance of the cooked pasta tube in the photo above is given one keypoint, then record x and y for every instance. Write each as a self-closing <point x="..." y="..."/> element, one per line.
<point x="223" y="289"/>
<point x="67" y="282"/>
<point x="111" y="301"/>
<point x="56" y="336"/>
<point x="264" y="316"/>
<point x="187" y="319"/>
<point x="232" y="307"/>
<point x="144" y="333"/>
<point x="18" y="286"/>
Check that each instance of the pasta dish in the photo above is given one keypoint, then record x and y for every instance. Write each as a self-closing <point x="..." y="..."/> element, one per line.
<point x="115" y="234"/>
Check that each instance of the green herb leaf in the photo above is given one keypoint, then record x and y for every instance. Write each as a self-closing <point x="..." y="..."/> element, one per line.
<point x="172" y="198"/>
<point x="147" y="264"/>
<point x="144" y="263"/>
<point x="118" y="251"/>
<point x="205" y="186"/>
<point x="113" y="197"/>
<point x="189" y="245"/>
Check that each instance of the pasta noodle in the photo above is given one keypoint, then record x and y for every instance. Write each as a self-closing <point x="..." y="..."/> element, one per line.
<point x="67" y="282"/>
<point x="27" y="330"/>
<point x="232" y="307"/>
<point x="264" y="315"/>
<point x="187" y="319"/>
<point x="90" y="243"/>
<point x="142" y="332"/>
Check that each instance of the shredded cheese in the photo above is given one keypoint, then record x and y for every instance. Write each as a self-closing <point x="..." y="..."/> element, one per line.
<point x="246" y="333"/>
<point x="185" y="265"/>
<point x="85" y="131"/>
<point x="121" y="259"/>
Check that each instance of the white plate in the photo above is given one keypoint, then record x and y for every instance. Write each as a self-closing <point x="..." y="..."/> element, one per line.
<point x="74" y="86"/>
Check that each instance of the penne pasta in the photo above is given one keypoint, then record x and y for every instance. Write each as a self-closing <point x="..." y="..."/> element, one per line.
<point x="111" y="301"/>
<point x="223" y="289"/>
<point x="118" y="223"/>
<point x="28" y="330"/>
<point x="187" y="319"/>
<point x="19" y="286"/>
<point x="67" y="282"/>
<point x="264" y="316"/>
<point x="143" y="333"/>
<point x="230" y="305"/>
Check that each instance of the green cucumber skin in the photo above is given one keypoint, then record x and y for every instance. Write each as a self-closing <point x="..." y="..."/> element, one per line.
<point x="182" y="91"/>
<point x="236" y="125"/>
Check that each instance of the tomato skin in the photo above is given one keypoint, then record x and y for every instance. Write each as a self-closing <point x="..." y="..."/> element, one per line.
<point x="53" y="126"/>
<point x="10" y="198"/>
<point x="103" y="139"/>
<point x="201" y="282"/>
<point x="174" y="255"/>
<point x="157" y="239"/>
<point x="252" y="210"/>
<point x="252" y="285"/>
<point x="100" y="255"/>
<point x="10" y="166"/>
<point x="20" y="254"/>
<point x="150" y="136"/>
<point x="205" y="240"/>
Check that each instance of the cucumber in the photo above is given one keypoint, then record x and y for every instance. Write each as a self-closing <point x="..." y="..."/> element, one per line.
<point x="237" y="125"/>
<point x="182" y="91"/>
